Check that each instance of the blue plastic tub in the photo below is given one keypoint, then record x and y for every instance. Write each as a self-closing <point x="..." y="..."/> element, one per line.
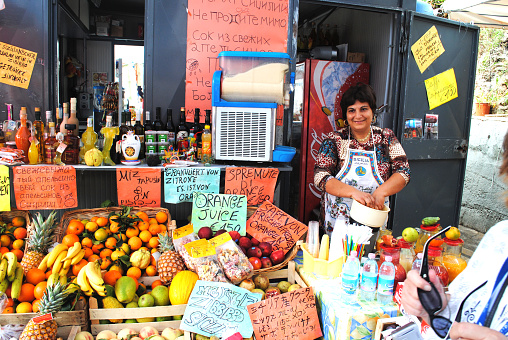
<point x="283" y="153"/>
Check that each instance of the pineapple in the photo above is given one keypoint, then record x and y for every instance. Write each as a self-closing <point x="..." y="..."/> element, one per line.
<point x="38" y="241"/>
<point x="51" y="302"/>
<point x="170" y="262"/>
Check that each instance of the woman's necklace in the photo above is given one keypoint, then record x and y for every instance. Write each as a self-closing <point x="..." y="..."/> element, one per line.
<point x="363" y="140"/>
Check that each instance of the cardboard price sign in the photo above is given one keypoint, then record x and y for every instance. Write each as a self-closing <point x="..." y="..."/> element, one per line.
<point x="219" y="211"/>
<point x="220" y="309"/>
<point x="272" y="225"/>
<point x="5" y="191"/>
<point x="181" y="183"/>
<point x="258" y="184"/>
<point x="139" y="187"/>
<point x="291" y="315"/>
<point x="17" y="65"/>
<point x="45" y="187"/>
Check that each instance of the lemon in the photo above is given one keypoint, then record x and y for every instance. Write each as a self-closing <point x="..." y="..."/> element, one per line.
<point x="116" y="254"/>
<point x="125" y="247"/>
<point x="101" y="234"/>
<point x="91" y="227"/>
<point x="453" y="234"/>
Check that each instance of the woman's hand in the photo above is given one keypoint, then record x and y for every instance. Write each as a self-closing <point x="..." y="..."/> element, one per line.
<point x="410" y="299"/>
<point x="471" y="331"/>
<point x="363" y="198"/>
<point x="379" y="200"/>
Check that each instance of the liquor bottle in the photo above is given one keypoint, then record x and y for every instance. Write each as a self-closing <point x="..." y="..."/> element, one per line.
<point x="197" y="129"/>
<point x="45" y="135"/>
<point x="148" y="123"/>
<point x="206" y="139"/>
<point x="139" y="130"/>
<point x="182" y="134"/>
<point x="33" y="150"/>
<point x="50" y="145"/>
<point x="10" y="125"/>
<point x="23" y="135"/>
<point x="208" y="117"/>
<point x="60" y="147"/>
<point x="170" y="127"/>
<point x="59" y="116"/>
<point x="109" y="132"/>
<point x="71" y="153"/>
<point x="2" y="136"/>
<point x="39" y="131"/>
<point x="157" y="124"/>
<point x="73" y="120"/>
<point x="89" y="138"/>
<point x="61" y="127"/>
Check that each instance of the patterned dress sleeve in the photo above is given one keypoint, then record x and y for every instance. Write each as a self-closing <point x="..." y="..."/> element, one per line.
<point x="398" y="158"/>
<point x="326" y="163"/>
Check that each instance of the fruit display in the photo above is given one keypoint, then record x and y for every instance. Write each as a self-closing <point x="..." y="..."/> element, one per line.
<point x="260" y="284"/>
<point x="170" y="262"/>
<point x="131" y="334"/>
<point x="12" y="234"/>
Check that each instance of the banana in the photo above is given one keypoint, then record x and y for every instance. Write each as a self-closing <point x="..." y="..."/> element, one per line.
<point x="67" y="264"/>
<point x="12" y="262"/>
<point x="64" y="271"/>
<point x="59" y="262"/>
<point x="97" y="288"/>
<point x="83" y="282"/>
<point x="44" y="263"/>
<point x="62" y="279"/>
<point x="4" y="285"/>
<point x="3" y="269"/>
<point x="73" y="251"/>
<point x="16" y="284"/>
<point x="55" y="253"/>
<point x="53" y="278"/>
<point x="78" y="257"/>
<point x="71" y="288"/>
<point x="93" y="272"/>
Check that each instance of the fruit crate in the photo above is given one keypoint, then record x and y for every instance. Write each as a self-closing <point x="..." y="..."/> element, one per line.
<point x="65" y="320"/>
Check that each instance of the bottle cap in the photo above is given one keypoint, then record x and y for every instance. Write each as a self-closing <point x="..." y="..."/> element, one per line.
<point x="388" y="258"/>
<point x="372" y="256"/>
<point x="70" y="126"/>
<point x="353" y="253"/>
<point x="51" y="124"/>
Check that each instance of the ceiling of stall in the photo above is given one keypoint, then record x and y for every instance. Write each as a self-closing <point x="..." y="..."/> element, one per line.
<point x="120" y="6"/>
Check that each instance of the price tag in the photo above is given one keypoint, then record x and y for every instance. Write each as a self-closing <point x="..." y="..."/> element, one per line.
<point x="61" y="148"/>
<point x="43" y="318"/>
<point x="183" y="231"/>
<point x="220" y="239"/>
<point x="200" y="248"/>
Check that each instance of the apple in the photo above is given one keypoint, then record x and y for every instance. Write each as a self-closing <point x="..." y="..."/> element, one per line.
<point x="106" y="335"/>
<point x="266" y="262"/>
<point x="220" y="231"/>
<point x="271" y="292"/>
<point x="205" y="232"/>
<point x="410" y="234"/>
<point x="294" y="287"/>
<point x="255" y="262"/>
<point x="235" y="235"/>
<point x="171" y="333"/>
<point x="124" y="334"/>
<point x="248" y="284"/>
<point x="261" y="281"/>
<point x="259" y="291"/>
<point x="84" y="336"/>
<point x="245" y="242"/>
<point x="147" y="331"/>
<point x="277" y="257"/>
<point x="266" y="248"/>
<point x="255" y="242"/>
<point x="254" y="252"/>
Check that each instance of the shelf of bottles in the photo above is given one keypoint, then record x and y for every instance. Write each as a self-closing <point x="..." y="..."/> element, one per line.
<point x="311" y="35"/>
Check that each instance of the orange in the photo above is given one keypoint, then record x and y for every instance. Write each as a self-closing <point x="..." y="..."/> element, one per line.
<point x="152" y="261"/>
<point x="154" y="250"/>
<point x="143" y="225"/>
<point x="35" y="306"/>
<point x="132" y="231"/>
<point x="135" y="243"/>
<point x="156" y="283"/>
<point x="106" y="253"/>
<point x="145" y="236"/>
<point x="152" y="220"/>
<point x="105" y="263"/>
<point x="116" y="254"/>
<point x="123" y="237"/>
<point x="77" y="267"/>
<point x="94" y="219"/>
<point x="35" y="276"/>
<point x="18" y="253"/>
<point x="111" y="277"/>
<point x="91" y="226"/>
<point x="163" y="228"/>
<point x="102" y="221"/>
<point x="117" y="268"/>
<point x="8" y="310"/>
<point x="88" y="252"/>
<point x="114" y="227"/>
<point x="134" y="272"/>
<point x="39" y="289"/>
<point x="150" y="271"/>
<point x="20" y="233"/>
<point x="97" y="248"/>
<point x="153" y="242"/>
<point x="4" y="250"/>
<point x="113" y="219"/>
<point x="93" y="258"/>
<point x="154" y="229"/>
<point x="101" y="234"/>
<point x="111" y="243"/>
<point x="161" y="217"/>
<point x="70" y="239"/>
<point x="142" y="215"/>
<point x="5" y="240"/>
<point x="18" y="244"/>
<point x="48" y="273"/>
<point x="27" y="293"/>
<point x="9" y="302"/>
<point x="24" y="307"/>
<point x="18" y="221"/>
<point x="75" y="227"/>
<point x="87" y="242"/>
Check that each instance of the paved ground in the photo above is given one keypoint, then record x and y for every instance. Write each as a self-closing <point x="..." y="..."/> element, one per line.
<point x="471" y="239"/>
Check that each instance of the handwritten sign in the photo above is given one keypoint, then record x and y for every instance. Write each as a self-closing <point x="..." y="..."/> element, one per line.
<point x="427" y="49"/>
<point x="5" y="189"/>
<point x="219" y="211"/>
<point x="214" y="26"/>
<point x="16" y="65"/>
<point x="274" y="226"/>
<point x="220" y="309"/>
<point x="138" y="187"/>
<point x="180" y="183"/>
<point x="258" y="184"/>
<point x="441" y="88"/>
<point x="291" y="315"/>
<point x="45" y="187"/>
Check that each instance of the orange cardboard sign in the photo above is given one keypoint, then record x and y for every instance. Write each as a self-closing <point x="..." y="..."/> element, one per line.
<point x="45" y="187"/>
<point x="272" y="225"/>
<point x="291" y="315"/>
<point x="214" y="26"/>
<point x="138" y="187"/>
<point x="258" y="184"/>
<point x="16" y="65"/>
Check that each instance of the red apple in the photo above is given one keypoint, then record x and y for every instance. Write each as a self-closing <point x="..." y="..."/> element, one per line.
<point x="220" y="231"/>
<point x="277" y="257"/>
<point x="245" y="242"/>
<point x="254" y="252"/>
<point x="256" y="262"/>
<point x="205" y="232"/>
<point x="255" y="242"/>
<point x="266" y="248"/>
<point x="235" y="235"/>
<point x="266" y="262"/>
<point x="271" y="292"/>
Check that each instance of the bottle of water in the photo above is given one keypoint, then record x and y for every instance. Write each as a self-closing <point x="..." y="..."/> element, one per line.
<point x="369" y="279"/>
<point x="350" y="274"/>
<point x="385" y="283"/>
<point x="417" y="264"/>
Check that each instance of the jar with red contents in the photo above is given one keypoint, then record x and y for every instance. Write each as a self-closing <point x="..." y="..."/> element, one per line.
<point x="452" y="259"/>
<point x="407" y="254"/>
<point x="394" y="252"/>
<point x="436" y="263"/>
<point x="425" y="233"/>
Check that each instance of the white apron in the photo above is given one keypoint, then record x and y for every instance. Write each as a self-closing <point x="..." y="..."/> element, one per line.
<point x="359" y="171"/>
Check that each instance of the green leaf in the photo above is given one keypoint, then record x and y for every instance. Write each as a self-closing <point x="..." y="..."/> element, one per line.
<point x="107" y="203"/>
<point x="125" y="259"/>
<point x="374" y="315"/>
<point x="363" y="330"/>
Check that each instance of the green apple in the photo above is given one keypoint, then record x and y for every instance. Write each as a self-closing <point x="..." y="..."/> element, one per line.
<point x="410" y="234"/>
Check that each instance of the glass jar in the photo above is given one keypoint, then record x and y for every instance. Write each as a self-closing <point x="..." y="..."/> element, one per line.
<point x="407" y="254"/>
<point x="425" y="233"/>
<point x="379" y="240"/>
<point x="452" y="259"/>
<point x="436" y="264"/>
<point x="394" y="252"/>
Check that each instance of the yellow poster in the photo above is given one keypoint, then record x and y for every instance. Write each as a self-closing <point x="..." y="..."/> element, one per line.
<point x="16" y="65"/>
<point x="427" y="49"/>
<point x="5" y="191"/>
<point x="441" y="88"/>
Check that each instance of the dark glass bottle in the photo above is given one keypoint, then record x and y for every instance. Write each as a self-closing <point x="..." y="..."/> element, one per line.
<point x="139" y="130"/>
<point x="208" y="117"/>
<point x="157" y="124"/>
<point x="71" y="154"/>
<point x="183" y="133"/>
<point x="197" y="130"/>
<point x="148" y="123"/>
<point x="170" y="127"/>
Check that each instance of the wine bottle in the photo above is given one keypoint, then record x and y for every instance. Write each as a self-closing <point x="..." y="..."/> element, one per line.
<point x="158" y="126"/>
<point x="197" y="130"/>
<point x="73" y="120"/>
<point x="182" y="134"/>
<point x="39" y="131"/>
<point x="170" y="127"/>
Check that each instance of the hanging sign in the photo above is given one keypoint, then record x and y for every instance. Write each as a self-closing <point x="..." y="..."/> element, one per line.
<point x="5" y="189"/>
<point x="219" y="211"/>
<point x="16" y="65"/>
<point x="220" y="309"/>
<point x="45" y="187"/>
<point x="272" y="225"/>
<point x="291" y="315"/>
<point x="441" y="88"/>
<point x="180" y="183"/>
<point x="258" y="184"/>
<point x="427" y="49"/>
<point x="138" y="187"/>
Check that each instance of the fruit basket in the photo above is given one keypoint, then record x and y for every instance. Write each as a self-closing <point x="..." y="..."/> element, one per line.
<point x="290" y="255"/>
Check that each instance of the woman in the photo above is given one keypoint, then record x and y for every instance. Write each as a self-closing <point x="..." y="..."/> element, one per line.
<point x="477" y="299"/>
<point x="359" y="161"/>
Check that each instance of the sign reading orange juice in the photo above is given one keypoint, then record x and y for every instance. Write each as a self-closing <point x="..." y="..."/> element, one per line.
<point x="214" y="26"/>
<point x="16" y="65"/>
<point x="291" y="315"/>
<point x="45" y="187"/>
<point x="139" y="187"/>
<point x="258" y="184"/>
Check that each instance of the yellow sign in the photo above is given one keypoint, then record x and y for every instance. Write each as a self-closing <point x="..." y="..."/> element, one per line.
<point x="441" y="88"/>
<point x="427" y="49"/>
<point x="16" y="65"/>
<point x="200" y="248"/>
<point x="5" y="189"/>
<point x="183" y="231"/>
<point x="220" y="240"/>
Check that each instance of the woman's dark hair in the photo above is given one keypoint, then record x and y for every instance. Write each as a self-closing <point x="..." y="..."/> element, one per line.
<point x="361" y="92"/>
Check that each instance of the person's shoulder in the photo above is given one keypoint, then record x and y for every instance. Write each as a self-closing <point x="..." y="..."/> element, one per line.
<point x="386" y="132"/>
<point x="498" y="229"/>
<point x="341" y="133"/>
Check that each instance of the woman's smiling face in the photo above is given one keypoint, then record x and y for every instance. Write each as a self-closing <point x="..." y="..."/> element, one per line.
<point x="359" y="117"/>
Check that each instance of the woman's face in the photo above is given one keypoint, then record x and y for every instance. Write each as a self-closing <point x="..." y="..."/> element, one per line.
<point x="359" y="116"/>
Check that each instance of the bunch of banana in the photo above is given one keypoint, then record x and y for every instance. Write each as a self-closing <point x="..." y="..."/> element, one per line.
<point x="62" y="258"/>
<point x="90" y="279"/>
<point x="9" y="273"/>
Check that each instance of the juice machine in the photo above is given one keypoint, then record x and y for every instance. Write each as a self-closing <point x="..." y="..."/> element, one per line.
<point x="245" y="95"/>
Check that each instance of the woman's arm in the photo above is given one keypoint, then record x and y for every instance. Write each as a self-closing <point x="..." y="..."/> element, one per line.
<point x="393" y="185"/>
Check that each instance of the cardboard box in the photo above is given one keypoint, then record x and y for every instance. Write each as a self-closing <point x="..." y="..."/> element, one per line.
<point x="116" y="31"/>
<point x="354" y="57"/>
<point x="102" y="29"/>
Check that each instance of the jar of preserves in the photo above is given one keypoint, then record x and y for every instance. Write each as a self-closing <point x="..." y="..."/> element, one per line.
<point x="425" y="233"/>
<point x="436" y="263"/>
<point x="407" y="254"/>
<point x="394" y="252"/>
<point x="452" y="259"/>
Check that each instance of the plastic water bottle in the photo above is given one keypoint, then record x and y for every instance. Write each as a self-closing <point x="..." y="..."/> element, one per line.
<point x="369" y="279"/>
<point x="350" y="274"/>
<point x="385" y="283"/>
<point x="417" y="264"/>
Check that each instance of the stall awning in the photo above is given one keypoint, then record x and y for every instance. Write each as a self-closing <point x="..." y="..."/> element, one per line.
<point x="484" y="13"/>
